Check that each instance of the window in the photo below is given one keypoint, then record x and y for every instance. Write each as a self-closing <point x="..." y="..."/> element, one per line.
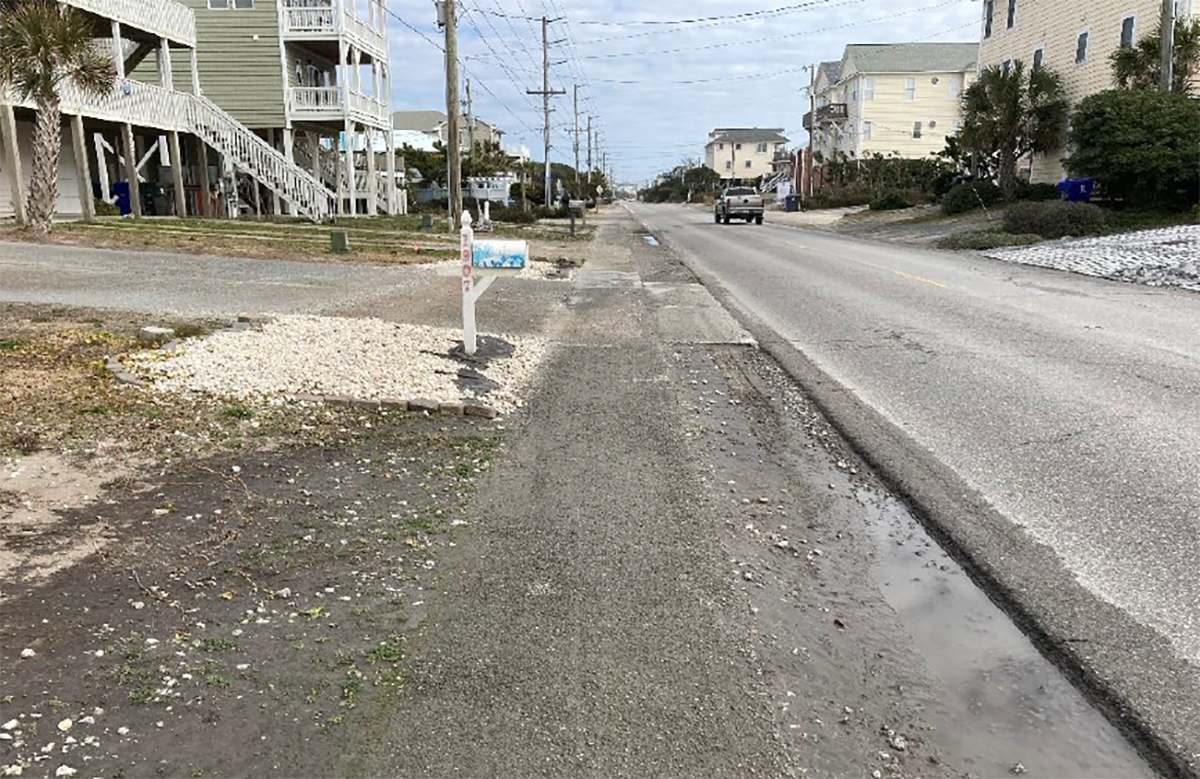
<point x="989" y="10"/>
<point x="955" y="86"/>
<point x="1127" y="25"/>
<point x="762" y="148"/>
<point x="1081" y="48"/>
<point x="869" y="90"/>
<point x="910" y="89"/>
<point x="916" y="129"/>
<point x="737" y="146"/>
<point x="747" y="165"/>
<point x="728" y="164"/>
<point x="1012" y="13"/>
<point x="1039" y="54"/>
<point x="867" y="130"/>
<point x="1006" y="66"/>
<point x="720" y="147"/>
<point x="223" y="4"/>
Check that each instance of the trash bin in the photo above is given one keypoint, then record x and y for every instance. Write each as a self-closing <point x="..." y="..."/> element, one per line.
<point x="791" y="203"/>
<point x="121" y="190"/>
<point x="1077" y="190"/>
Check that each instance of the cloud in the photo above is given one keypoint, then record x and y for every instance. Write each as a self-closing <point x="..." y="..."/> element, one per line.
<point x="654" y="123"/>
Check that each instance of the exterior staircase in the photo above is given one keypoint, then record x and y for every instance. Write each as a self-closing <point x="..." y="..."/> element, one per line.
<point x="256" y="157"/>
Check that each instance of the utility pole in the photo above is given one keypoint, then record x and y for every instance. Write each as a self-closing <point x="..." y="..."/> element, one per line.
<point x="1168" y="45"/>
<point x="733" y="161"/>
<point x="812" y="125"/>
<point x="546" y="92"/>
<point x="589" y="157"/>
<point x="470" y="124"/>
<point x="576" y="139"/>
<point x="448" y="20"/>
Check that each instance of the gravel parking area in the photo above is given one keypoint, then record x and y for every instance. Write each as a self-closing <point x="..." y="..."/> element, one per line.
<point x="1168" y="257"/>
<point x="358" y="358"/>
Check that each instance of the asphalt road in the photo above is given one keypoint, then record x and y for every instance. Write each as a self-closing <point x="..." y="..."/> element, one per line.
<point x="1066" y="406"/>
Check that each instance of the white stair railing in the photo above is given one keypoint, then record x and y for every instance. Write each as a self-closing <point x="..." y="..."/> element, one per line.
<point x="256" y="157"/>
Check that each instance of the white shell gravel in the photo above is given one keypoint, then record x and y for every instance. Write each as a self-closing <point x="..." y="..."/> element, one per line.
<point x="1169" y="257"/>
<point x="359" y="358"/>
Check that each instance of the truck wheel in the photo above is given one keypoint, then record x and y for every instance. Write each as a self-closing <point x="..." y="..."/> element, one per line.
<point x="716" y="217"/>
<point x="726" y="220"/>
<point x="758" y="220"/>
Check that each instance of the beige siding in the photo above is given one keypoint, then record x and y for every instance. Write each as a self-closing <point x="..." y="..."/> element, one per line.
<point x="1054" y="26"/>
<point x="237" y="72"/>
<point x="760" y="161"/>
<point x="892" y="115"/>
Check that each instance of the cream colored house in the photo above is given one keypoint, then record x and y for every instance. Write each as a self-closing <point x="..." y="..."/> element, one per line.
<point x="741" y="153"/>
<point x="891" y="99"/>
<point x="1075" y="39"/>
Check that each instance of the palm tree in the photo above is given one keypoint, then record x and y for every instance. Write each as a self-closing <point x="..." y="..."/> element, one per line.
<point x="43" y="47"/>
<point x="1140" y="66"/>
<point x="1008" y="114"/>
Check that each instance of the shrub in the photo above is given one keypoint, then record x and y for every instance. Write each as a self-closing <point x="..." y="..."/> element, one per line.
<point x="1055" y="219"/>
<point x="981" y="240"/>
<point x="968" y="197"/>
<point x="890" y="202"/>
<point x="842" y="198"/>
<point x="104" y="208"/>
<point x="1037" y="192"/>
<point x="511" y="214"/>
<point x="1139" y="145"/>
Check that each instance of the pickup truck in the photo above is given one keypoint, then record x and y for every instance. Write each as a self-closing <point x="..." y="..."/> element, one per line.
<point x="738" y="203"/>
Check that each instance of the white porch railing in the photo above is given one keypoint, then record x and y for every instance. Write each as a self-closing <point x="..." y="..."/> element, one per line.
<point x="163" y="18"/>
<point x="367" y="107"/>
<point x="325" y="103"/>
<point x="135" y="102"/>
<point x="333" y="17"/>
<point x="316" y="99"/>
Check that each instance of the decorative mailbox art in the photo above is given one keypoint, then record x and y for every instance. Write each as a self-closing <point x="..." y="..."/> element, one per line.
<point x="500" y="255"/>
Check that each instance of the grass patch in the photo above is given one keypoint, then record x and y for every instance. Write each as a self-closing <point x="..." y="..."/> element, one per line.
<point x="11" y="344"/>
<point x="219" y="644"/>
<point x="237" y="411"/>
<point x="981" y="240"/>
<point x="216" y="680"/>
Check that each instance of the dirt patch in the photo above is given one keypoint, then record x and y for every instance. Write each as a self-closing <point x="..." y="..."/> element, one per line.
<point x="41" y="488"/>
<point x="261" y="602"/>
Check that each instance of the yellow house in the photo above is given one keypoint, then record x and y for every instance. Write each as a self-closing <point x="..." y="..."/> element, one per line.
<point x="743" y="152"/>
<point x="892" y="99"/>
<point x="1074" y="39"/>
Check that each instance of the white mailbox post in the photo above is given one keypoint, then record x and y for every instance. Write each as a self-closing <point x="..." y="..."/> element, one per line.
<point x="485" y="260"/>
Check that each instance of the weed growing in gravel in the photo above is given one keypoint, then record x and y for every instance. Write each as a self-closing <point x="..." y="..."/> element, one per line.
<point x="237" y="411"/>
<point x="219" y="644"/>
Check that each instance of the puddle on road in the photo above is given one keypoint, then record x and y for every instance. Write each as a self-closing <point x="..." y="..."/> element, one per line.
<point x="1002" y="702"/>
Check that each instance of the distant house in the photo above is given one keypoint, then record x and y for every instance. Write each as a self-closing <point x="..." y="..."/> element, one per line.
<point x="743" y="153"/>
<point x="409" y="126"/>
<point x="894" y="99"/>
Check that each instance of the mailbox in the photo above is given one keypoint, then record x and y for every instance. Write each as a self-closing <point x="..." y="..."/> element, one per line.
<point x="577" y="206"/>
<point x="500" y="255"/>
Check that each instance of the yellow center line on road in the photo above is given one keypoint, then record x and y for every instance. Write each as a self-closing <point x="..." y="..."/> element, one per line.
<point x="918" y="278"/>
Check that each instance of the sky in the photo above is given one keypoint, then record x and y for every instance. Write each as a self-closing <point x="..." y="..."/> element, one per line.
<point x="630" y="73"/>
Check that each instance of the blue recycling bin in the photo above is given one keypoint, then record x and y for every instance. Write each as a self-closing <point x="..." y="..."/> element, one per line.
<point x="1077" y="190"/>
<point x="121" y="190"/>
<point x="791" y="203"/>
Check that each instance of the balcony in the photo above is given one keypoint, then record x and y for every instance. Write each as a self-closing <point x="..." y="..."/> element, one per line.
<point x="135" y="102"/>
<point x="325" y="19"/>
<point x="325" y="104"/>
<point x="162" y="18"/>
<point x="833" y="112"/>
